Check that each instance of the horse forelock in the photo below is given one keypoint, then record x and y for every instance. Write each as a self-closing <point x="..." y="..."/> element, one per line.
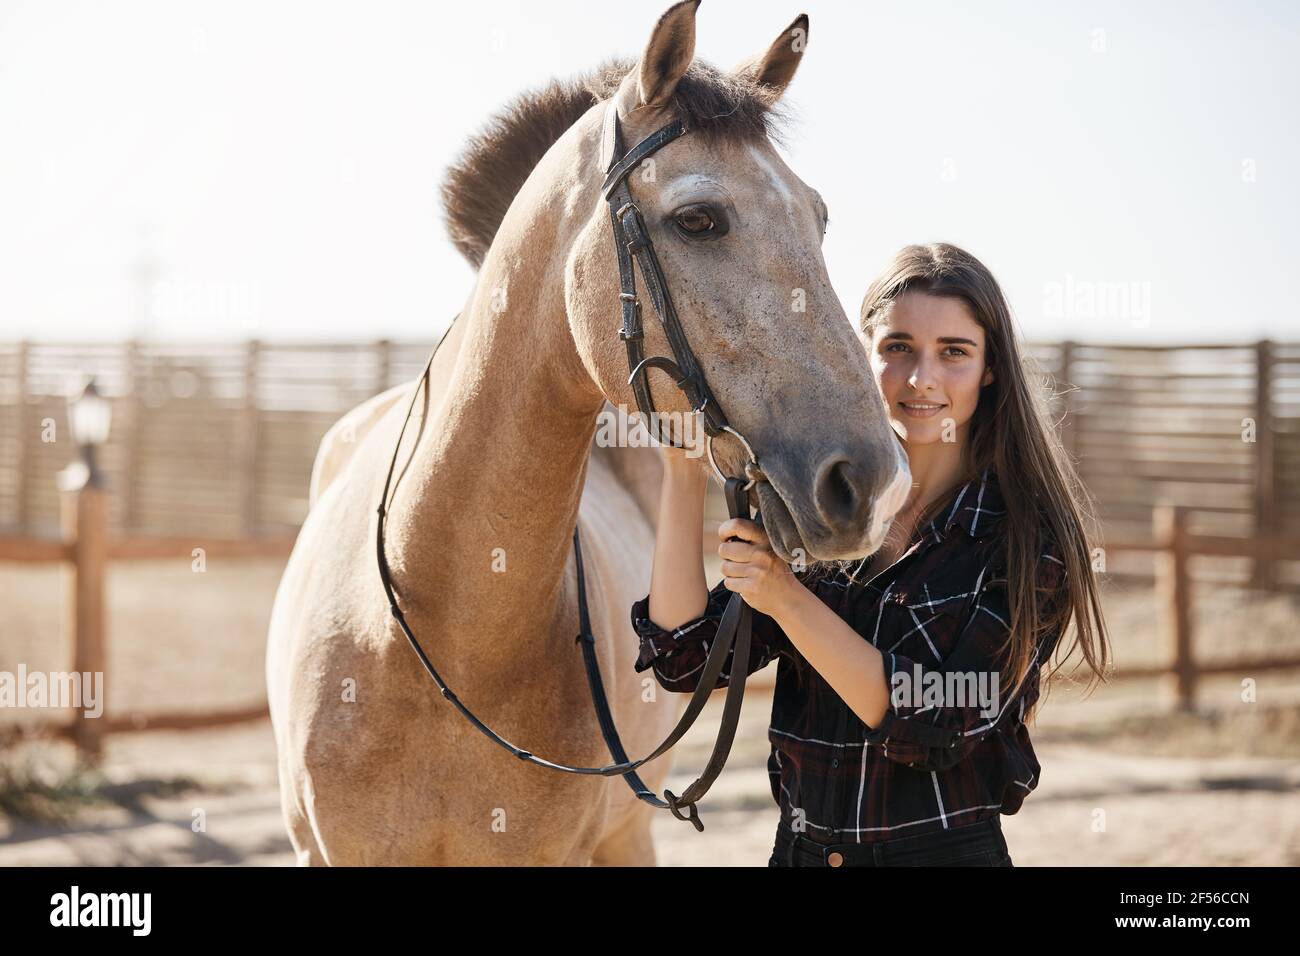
<point x="482" y="182"/>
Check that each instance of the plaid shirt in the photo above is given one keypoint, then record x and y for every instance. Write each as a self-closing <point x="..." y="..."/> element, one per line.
<point x="934" y="762"/>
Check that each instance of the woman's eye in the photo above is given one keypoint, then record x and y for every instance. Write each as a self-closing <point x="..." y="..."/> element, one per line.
<point x="956" y="350"/>
<point x="695" y="220"/>
<point x="895" y="345"/>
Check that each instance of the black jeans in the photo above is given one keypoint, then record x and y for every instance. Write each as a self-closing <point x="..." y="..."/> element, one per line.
<point x="976" y="844"/>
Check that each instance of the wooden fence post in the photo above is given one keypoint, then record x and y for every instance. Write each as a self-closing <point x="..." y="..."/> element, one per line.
<point x="1069" y="439"/>
<point x="83" y="528"/>
<point x="249" y="440"/>
<point x="1173" y="592"/>
<point x="22" y="467"/>
<point x="132" y="403"/>
<point x="1264" y="569"/>
<point x="383" y="365"/>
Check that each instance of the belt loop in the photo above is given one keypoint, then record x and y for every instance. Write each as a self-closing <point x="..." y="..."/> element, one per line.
<point x="793" y="852"/>
<point x="877" y="854"/>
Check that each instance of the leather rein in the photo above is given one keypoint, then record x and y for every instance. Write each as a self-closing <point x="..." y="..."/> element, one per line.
<point x="632" y="242"/>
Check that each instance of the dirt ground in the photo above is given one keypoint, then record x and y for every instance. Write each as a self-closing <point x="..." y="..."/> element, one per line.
<point x="1202" y="808"/>
<point x="1126" y="780"/>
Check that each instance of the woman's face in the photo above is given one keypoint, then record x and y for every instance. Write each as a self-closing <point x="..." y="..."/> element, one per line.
<point x="929" y="361"/>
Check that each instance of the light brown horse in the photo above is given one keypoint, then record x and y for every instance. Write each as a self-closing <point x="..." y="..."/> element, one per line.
<point x="375" y="767"/>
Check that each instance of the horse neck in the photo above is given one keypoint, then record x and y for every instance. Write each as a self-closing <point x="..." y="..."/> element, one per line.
<point x="481" y="525"/>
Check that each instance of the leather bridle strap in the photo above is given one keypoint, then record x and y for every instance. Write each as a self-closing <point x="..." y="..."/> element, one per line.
<point x="729" y="633"/>
<point x="734" y="632"/>
<point x="631" y="239"/>
<point x="620" y="168"/>
<point x="733" y="638"/>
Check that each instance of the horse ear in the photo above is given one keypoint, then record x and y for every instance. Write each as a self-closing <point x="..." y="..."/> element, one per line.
<point x="775" y="68"/>
<point x="668" y="54"/>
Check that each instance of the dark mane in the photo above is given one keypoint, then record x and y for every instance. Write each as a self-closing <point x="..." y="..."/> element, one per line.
<point x="480" y="185"/>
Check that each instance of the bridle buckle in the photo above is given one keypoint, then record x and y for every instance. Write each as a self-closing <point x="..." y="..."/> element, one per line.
<point x="674" y="805"/>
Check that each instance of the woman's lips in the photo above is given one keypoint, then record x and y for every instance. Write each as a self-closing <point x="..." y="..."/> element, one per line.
<point x="921" y="409"/>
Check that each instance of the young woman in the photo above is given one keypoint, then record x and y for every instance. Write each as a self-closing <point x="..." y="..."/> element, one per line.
<point x="905" y="683"/>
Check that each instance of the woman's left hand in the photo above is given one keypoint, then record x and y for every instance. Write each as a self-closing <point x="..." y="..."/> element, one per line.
<point x="753" y="570"/>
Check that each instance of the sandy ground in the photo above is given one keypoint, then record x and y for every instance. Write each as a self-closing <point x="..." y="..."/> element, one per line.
<point x="1200" y="809"/>
<point x="1217" y="787"/>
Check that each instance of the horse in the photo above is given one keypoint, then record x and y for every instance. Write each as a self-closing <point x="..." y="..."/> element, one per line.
<point x="498" y="468"/>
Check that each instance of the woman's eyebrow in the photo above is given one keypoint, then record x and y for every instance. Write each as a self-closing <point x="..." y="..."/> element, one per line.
<point x="945" y="339"/>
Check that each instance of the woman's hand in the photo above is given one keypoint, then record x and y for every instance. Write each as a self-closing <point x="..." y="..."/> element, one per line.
<point x="752" y="569"/>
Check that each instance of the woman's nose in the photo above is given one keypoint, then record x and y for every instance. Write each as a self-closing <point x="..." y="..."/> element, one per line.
<point x="922" y="376"/>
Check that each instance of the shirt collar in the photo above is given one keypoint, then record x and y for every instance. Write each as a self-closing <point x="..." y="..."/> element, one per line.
<point x="977" y="508"/>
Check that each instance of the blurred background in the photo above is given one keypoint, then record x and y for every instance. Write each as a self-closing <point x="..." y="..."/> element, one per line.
<point x="228" y="219"/>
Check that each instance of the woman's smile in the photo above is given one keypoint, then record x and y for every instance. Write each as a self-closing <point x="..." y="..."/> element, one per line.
<point x="919" y="409"/>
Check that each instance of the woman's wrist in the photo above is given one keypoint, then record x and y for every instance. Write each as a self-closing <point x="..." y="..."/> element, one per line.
<point x="791" y="604"/>
<point x="684" y="473"/>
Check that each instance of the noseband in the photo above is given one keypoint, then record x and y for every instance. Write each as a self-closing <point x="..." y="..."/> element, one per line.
<point x="732" y="642"/>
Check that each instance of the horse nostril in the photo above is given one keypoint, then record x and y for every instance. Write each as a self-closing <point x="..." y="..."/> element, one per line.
<point x="837" y="495"/>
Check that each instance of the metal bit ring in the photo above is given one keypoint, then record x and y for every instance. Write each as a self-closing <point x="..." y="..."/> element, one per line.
<point x="722" y="479"/>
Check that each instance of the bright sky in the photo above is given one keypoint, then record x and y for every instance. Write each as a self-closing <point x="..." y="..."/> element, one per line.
<point x="1127" y="170"/>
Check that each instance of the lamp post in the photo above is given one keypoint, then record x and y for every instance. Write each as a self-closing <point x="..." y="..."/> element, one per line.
<point x="83" y="519"/>
<point x="89" y="415"/>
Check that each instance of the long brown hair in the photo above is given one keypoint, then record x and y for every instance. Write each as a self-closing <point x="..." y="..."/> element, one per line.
<point x="1011" y="431"/>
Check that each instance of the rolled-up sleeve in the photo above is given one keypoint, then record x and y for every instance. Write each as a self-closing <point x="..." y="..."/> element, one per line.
<point x="677" y="655"/>
<point x="934" y="735"/>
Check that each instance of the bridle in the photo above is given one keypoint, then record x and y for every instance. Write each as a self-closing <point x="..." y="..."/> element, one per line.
<point x="632" y="241"/>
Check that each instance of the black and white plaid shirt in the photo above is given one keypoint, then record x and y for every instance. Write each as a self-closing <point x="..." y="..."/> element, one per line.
<point x="933" y="763"/>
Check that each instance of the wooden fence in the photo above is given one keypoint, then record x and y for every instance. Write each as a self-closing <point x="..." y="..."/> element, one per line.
<point x="1215" y="428"/>
<point x="1174" y="545"/>
<point x="218" y="440"/>
<point x="88" y="547"/>
<point x="212" y="447"/>
<point x="212" y="440"/>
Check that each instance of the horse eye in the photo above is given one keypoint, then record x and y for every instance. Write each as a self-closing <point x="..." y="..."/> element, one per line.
<point x="695" y="220"/>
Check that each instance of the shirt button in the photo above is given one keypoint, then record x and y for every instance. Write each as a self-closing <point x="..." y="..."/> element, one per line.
<point x="835" y="859"/>
<point x="835" y="762"/>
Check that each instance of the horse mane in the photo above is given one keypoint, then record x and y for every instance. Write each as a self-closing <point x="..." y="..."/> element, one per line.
<point x="482" y="182"/>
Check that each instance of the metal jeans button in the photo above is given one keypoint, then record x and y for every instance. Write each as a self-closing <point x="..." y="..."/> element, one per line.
<point x="835" y="859"/>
